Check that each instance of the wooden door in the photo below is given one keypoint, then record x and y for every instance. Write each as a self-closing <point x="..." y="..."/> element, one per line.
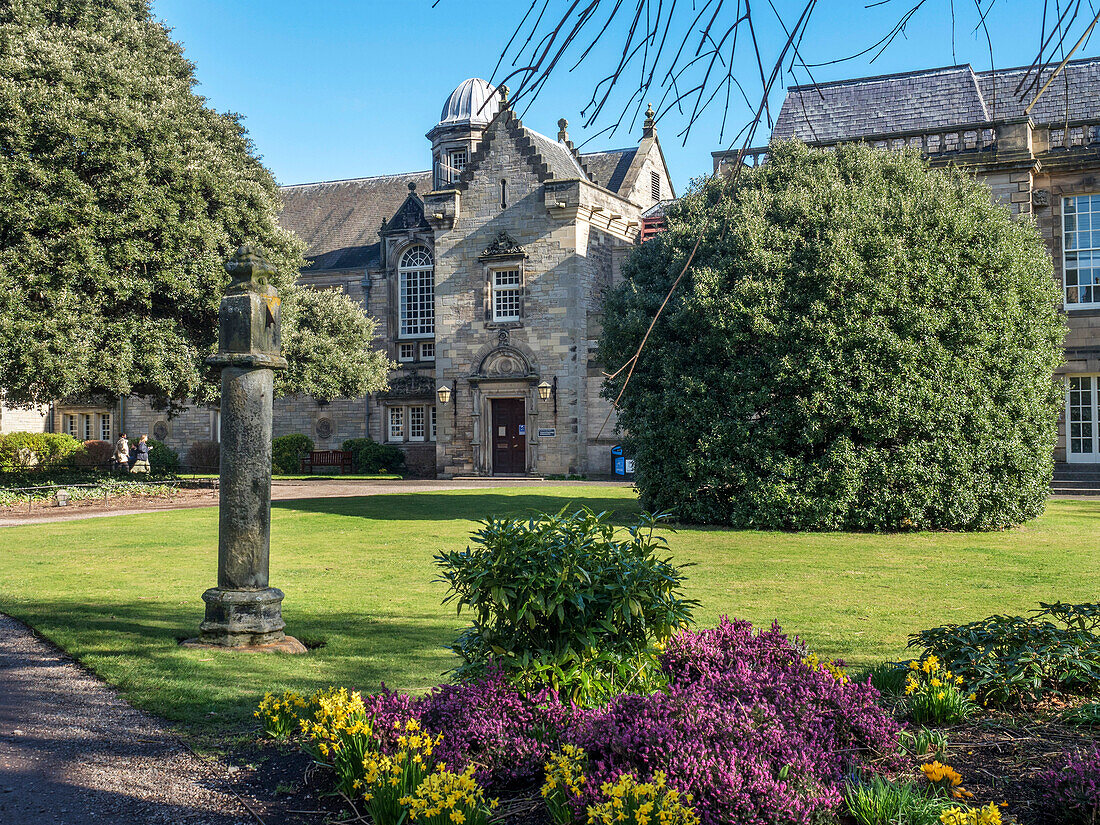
<point x="509" y="435"/>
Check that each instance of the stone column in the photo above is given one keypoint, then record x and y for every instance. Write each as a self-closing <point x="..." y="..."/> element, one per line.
<point x="243" y="612"/>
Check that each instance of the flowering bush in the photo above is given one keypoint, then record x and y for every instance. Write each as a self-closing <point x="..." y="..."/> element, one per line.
<point x="755" y="735"/>
<point x="279" y="715"/>
<point x="987" y="815"/>
<point x="389" y="780"/>
<point x="934" y="694"/>
<point x="629" y="802"/>
<point x="506" y="733"/>
<point x="564" y="784"/>
<point x="447" y="798"/>
<point x="1073" y="791"/>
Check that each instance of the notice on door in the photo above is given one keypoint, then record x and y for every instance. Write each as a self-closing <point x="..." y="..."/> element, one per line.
<point x="502" y="431"/>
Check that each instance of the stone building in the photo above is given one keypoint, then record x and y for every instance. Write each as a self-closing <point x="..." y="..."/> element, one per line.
<point x="1044" y="165"/>
<point x="486" y="274"/>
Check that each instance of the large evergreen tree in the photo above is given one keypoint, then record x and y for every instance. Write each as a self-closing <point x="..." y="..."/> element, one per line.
<point x="121" y="195"/>
<point x="861" y="342"/>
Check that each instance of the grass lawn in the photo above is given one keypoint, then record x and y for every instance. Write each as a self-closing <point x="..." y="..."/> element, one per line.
<point x="118" y="592"/>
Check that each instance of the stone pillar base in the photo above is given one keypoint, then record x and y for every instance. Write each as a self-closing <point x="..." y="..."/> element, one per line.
<point x="245" y="619"/>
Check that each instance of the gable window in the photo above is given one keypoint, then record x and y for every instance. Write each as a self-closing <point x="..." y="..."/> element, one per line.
<point x="1081" y="250"/>
<point x="507" y="286"/>
<point x="416" y="293"/>
<point x="655" y="185"/>
<point x="396" y="424"/>
<point x="406" y="352"/>
<point x="456" y="162"/>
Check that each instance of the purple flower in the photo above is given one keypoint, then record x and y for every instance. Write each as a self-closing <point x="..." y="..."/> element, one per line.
<point x="1073" y="791"/>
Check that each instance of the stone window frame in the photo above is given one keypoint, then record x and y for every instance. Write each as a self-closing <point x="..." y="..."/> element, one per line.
<point x="1093" y="249"/>
<point x="1087" y="415"/>
<point x="403" y="272"/>
<point x="427" y="350"/>
<point x="454" y="170"/>
<point x="87" y="424"/>
<point x="428" y="423"/>
<point x="404" y="347"/>
<point x="509" y="264"/>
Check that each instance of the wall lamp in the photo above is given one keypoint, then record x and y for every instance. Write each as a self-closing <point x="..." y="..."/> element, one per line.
<point x="444" y="394"/>
<point x="546" y="390"/>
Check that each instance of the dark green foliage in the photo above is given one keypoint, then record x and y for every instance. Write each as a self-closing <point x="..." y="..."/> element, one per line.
<point x="1014" y="659"/>
<point x="287" y="452"/>
<point x="860" y="343"/>
<point x="561" y="600"/>
<point x="369" y="456"/>
<point x="204" y="457"/>
<point x="21" y="451"/>
<point x="162" y="458"/>
<point x="887" y="678"/>
<point x="879" y="801"/>
<point x="121" y="195"/>
<point x="94" y="453"/>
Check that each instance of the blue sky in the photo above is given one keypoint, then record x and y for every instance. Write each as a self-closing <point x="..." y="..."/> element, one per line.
<point x="339" y="89"/>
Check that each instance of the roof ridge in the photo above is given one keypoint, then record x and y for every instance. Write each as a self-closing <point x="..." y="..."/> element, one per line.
<point x="925" y="72"/>
<point x="355" y="180"/>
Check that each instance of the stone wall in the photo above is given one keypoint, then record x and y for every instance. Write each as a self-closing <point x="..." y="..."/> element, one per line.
<point x="19" y="420"/>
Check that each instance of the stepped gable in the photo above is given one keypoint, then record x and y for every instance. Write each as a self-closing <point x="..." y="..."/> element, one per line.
<point x="339" y="220"/>
<point x="933" y="99"/>
<point x="608" y="169"/>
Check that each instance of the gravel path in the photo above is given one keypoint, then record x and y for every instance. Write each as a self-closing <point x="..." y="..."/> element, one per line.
<point x="282" y="491"/>
<point x="73" y="753"/>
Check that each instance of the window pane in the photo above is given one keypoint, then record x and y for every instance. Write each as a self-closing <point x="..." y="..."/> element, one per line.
<point x="416" y="292"/>
<point x="506" y="295"/>
<point x="416" y="423"/>
<point x="397" y="423"/>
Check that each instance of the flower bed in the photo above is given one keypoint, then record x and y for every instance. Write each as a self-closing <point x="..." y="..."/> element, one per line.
<point x="749" y="730"/>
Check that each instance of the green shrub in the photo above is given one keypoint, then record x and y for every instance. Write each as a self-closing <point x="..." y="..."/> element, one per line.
<point x="204" y="457"/>
<point x="93" y="453"/>
<point x="881" y="802"/>
<point x="369" y="456"/>
<point x="1013" y="659"/>
<point x="861" y="342"/>
<point x="563" y="600"/>
<point x="162" y="458"/>
<point x="39" y="450"/>
<point x="923" y="741"/>
<point x="287" y="452"/>
<point x="888" y="678"/>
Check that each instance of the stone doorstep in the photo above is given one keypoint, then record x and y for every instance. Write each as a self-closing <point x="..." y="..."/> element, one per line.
<point x="502" y="477"/>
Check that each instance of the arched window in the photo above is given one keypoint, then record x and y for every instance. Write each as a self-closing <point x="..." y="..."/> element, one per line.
<point x="416" y="292"/>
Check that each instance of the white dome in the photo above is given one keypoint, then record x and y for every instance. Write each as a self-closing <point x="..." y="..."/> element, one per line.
<point x="467" y="105"/>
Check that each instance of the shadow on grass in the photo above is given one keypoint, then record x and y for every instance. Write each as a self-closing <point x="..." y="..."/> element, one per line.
<point x="471" y="506"/>
<point x="134" y="646"/>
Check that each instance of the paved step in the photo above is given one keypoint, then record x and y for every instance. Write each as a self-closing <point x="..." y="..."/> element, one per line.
<point x="1073" y="491"/>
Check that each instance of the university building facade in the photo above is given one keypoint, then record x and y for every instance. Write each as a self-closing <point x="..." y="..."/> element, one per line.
<point x="485" y="274"/>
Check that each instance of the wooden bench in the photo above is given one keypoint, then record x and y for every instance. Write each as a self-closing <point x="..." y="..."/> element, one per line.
<point x="327" y="458"/>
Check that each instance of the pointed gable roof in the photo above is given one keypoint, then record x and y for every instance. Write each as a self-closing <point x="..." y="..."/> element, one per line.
<point x="340" y="220"/>
<point x="409" y="216"/>
<point x="608" y="169"/>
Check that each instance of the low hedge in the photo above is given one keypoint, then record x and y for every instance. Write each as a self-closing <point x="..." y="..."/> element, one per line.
<point x="26" y="450"/>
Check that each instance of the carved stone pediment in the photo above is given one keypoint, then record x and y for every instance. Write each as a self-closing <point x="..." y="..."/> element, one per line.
<point x="504" y="363"/>
<point x="410" y="386"/>
<point x="503" y="246"/>
<point x="410" y="216"/>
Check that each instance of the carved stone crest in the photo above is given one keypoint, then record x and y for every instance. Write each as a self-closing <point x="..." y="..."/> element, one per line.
<point x="410" y="386"/>
<point x="503" y="246"/>
<point x="1040" y="197"/>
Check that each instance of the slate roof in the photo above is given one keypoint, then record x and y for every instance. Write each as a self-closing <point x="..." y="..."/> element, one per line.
<point x="932" y="99"/>
<point x="339" y="220"/>
<point x="608" y="169"/>
<point x="556" y="156"/>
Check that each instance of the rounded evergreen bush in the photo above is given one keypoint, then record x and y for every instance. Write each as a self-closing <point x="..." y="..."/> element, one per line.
<point x="861" y="342"/>
<point x="162" y="458"/>
<point x="368" y="456"/>
<point x="287" y="452"/>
